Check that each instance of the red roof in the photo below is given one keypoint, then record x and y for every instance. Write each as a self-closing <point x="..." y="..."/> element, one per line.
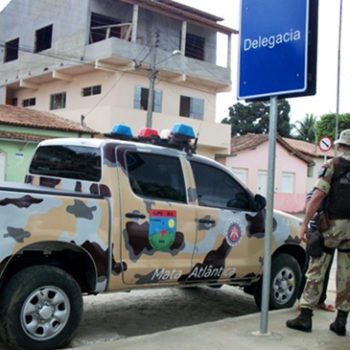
<point x="18" y="136"/>
<point x="28" y="117"/>
<point x="308" y="148"/>
<point x="252" y="141"/>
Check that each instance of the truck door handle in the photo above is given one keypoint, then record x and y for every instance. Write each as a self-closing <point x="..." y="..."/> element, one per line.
<point x="207" y="221"/>
<point x="135" y="216"/>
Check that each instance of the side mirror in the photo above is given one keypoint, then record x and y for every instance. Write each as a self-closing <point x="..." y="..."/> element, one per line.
<point x="259" y="202"/>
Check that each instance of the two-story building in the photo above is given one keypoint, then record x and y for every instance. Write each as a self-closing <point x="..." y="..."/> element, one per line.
<point x="93" y="61"/>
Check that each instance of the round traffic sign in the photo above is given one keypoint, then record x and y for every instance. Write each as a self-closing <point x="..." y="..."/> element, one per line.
<point x="325" y="143"/>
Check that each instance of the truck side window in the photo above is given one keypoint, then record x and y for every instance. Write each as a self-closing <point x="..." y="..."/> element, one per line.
<point x="215" y="188"/>
<point x="156" y="176"/>
<point x="73" y="162"/>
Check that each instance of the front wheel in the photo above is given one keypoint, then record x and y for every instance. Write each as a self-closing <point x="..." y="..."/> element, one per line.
<point x="285" y="282"/>
<point x="40" y="308"/>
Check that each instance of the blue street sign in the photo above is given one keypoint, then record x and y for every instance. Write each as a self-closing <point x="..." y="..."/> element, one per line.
<point x="273" y="47"/>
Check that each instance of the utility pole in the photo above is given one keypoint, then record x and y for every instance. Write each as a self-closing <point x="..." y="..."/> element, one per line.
<point x="152" y="75"/>
<point x="338" y="70"/>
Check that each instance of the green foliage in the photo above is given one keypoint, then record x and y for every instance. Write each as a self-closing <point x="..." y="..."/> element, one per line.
<point x="326" y="125"/>
<point x="306" y="129"/>
<point x="254" y="118"/>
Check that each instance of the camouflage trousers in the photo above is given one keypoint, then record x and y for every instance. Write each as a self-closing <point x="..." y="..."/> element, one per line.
<point x="338" y="236"/>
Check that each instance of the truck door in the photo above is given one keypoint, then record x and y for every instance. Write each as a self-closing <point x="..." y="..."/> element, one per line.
<point x="226" y="247"/>
<point x="156" y="221"/>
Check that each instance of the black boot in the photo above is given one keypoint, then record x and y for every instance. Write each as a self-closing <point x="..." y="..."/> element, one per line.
<point x="303" y="322"/>
<point x="338" y="326"/>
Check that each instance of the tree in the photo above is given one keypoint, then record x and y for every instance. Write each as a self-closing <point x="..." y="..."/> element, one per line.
<point x="254" y="117"/>
<point x="306" y="129"/>
<point x="326" y="125"/>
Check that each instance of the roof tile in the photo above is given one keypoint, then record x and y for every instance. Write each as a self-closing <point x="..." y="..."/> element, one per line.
<point x="28" y="117"/>
<point x="252" y="141"/>
<point x="18" y="136"/>
<point x="308" y="148"/>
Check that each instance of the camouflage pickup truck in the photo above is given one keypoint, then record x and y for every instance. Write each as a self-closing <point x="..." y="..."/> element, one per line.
<point x="99" y="215"/>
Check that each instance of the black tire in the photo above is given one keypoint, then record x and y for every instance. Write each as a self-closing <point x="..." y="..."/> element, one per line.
<point x="285" y="282"/>
<point x="40" y="308"/>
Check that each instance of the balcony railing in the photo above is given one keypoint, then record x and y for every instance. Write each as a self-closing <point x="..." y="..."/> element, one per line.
<point x="120" y="30"/>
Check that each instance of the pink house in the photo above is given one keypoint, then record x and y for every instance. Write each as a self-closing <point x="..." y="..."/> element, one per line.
<point x="313" y="152"/>
<point x="249" y="161"/>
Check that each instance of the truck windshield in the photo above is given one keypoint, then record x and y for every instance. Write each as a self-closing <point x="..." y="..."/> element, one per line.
<point x="74" y="162"/>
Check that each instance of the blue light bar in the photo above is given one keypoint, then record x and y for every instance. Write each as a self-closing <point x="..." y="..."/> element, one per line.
<point x="121" y="131"/>
<point x="183" y="130"/>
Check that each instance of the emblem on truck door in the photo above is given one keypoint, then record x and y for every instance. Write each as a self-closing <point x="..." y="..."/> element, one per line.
<point x="233" y="235"/>
<point x="162" y="228"/>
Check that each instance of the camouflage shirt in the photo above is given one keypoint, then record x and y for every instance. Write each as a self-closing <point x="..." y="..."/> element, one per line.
<point x="326" y="173"/>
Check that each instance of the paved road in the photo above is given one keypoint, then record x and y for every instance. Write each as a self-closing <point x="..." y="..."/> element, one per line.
<point x="115" y="316"/>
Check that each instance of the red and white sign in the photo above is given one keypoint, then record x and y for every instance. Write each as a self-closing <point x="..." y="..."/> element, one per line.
<point x="325" y="144"/>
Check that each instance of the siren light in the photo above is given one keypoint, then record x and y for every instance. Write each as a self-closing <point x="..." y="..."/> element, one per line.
<point x="183" y="131"/>
<point x="148" y="133"/>
<point x="122" y="131"/>
<point x="165" y="134"/>
<point x="179" y="137"/>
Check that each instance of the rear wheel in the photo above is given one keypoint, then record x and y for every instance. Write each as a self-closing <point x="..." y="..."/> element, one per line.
<point x="285" y="282"/>
<point x="40" y="308"/>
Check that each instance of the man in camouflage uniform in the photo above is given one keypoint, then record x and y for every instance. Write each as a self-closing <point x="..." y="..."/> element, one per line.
<point x="312" y="227"/>
<point x="333" y="186"/>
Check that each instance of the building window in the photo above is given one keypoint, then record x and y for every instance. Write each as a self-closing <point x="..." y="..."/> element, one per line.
<point x="191" y="107"/>
<point x="14" y="101"/>
<point x="58" y="101"/>
<point x="241" y="174"/>
<point x="91" y="90"/>
<point x="261" y="187"/>
<point x="29" y="102"/>
<point x="43" y="38"/>
<point x="194" y="46"/>
<point x="310" y="170"/>
<point x="103" y="27"/>
<point x="141" y="99"/>
<point x="288" y="180"/>
<point x="11" y="50"/>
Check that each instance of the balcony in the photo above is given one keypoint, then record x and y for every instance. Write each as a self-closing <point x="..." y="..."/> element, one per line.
<point x="118" y="54"/>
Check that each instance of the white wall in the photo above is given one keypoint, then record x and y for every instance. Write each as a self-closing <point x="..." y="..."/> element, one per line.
<point x="116" y="105"/>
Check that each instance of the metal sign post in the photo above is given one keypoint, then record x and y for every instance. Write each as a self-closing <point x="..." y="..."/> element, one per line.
<point x="273" y="61"/>
<point x="269" y="217"/>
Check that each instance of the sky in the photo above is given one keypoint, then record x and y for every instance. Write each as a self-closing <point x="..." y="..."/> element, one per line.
<point x="325" y="100"/>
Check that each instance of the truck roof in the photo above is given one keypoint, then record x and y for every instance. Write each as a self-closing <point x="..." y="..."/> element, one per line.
<point x="98" y="143"/>
<point x="91" y="142"/>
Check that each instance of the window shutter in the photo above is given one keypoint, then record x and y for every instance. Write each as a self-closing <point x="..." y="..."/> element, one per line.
<point x="137" y="97"/>
<point x="197" y="108"/>
<point x="158" y="101"/>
